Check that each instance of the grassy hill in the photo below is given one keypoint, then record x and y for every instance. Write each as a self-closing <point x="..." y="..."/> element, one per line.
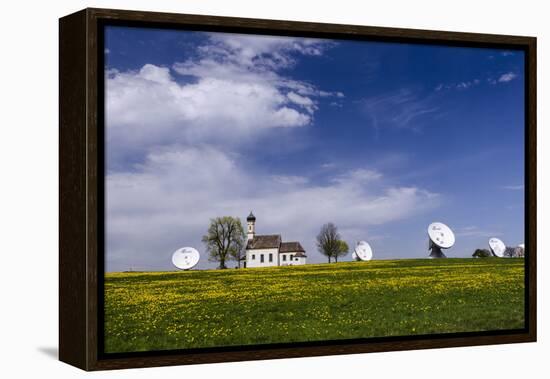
<point x="191" y="309"/>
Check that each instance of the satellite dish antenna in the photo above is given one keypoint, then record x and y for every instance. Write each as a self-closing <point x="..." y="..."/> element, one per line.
<point x="441" y="237"/>
<point x="497" y="247"/>
<point x="185" y="258"/>
<point x="363" y="251"/>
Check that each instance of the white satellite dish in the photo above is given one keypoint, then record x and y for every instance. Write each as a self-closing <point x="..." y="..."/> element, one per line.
<point x="363" y="251"/>
<point x="497" y="247"/>
<point x="441" y="237"/>
<point x="185" y="258"/>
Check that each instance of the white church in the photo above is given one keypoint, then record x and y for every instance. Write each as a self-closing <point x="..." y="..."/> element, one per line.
<point x="269" y="250"/>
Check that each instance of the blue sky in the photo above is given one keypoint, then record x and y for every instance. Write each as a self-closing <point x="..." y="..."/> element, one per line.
<point x="379" y="138"/>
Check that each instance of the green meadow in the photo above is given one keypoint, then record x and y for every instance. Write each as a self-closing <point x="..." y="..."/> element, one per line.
<point x="194" y="309"/>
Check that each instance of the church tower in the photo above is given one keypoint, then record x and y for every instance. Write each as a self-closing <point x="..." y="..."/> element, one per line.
<point x="251" y="226"/>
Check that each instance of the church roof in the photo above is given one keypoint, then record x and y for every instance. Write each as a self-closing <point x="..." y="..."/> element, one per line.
<point x="251" y="217"/>
<point x="291" y="247"/>
<point x="264" y="242"/>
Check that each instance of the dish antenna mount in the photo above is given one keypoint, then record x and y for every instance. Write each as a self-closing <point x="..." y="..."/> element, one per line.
<point x="441" y="237"/>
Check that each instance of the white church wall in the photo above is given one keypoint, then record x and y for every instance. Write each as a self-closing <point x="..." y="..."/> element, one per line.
<point x="285" y="259"/>
<point x="257" y="261"/>
<point x="300" y="261"/>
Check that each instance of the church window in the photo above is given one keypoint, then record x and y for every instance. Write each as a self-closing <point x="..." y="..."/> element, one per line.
<point x="261" y="258"/>
<point x="270" y="257"/>
<point x="284" y="257"/>
<point x="253" y="256"/>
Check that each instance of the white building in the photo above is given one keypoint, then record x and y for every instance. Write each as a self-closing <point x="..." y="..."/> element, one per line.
<point x="269" y="250"/>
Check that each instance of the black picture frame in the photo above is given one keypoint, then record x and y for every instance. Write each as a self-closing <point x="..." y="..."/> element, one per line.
<point x="81" y="180"/>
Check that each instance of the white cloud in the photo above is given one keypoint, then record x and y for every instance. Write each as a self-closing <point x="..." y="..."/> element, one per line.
<point x="167" y="202"/>
<point x="155" y="74"/>
<point x="463" y="85"/>
<point x="290" y="179"/>
<point x="474" y="231"/>
<point x="150" y="108"/>
<point x="152" y="100"/>
<point x="519" y="187"/>
<point x="302" y="101"/>
<point x="509" y="76"/>
<point x="262" y="52"/>
<point x="358" y="176"/>
<point x="236" y="93"/>
<point x="402" y="109"/>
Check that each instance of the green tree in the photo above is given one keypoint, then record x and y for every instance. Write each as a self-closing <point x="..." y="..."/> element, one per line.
<point x="482" y="253"/>
<point x="328" y="241"/>
<point x="224" y="240"/>
<point x="343" y="249"/>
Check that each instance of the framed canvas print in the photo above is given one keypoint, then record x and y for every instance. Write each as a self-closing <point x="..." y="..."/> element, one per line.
<point x="241" y="189"/>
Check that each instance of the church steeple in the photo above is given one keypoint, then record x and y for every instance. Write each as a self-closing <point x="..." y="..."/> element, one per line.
<point x="251" y="226"/>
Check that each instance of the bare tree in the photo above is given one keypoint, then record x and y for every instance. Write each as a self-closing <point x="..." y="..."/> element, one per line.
<point x="225" y="240"/>
<point x="510" y="252"/>
<point x="328" y="241"/>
